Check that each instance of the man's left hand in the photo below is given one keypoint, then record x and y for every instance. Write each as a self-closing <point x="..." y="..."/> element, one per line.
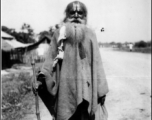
<point x="101" y="100"/>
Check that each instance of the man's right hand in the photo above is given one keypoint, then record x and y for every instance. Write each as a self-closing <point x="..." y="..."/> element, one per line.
<point x="39" y="83"/>
<point x="41" y="77"/>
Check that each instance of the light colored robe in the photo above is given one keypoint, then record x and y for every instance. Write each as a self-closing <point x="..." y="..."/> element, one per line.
<point x="82" y="77"/>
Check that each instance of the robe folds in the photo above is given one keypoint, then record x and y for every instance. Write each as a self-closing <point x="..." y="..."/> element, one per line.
<point x="81" y="75"/>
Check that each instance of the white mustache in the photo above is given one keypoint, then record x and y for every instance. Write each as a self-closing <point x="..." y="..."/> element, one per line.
<point x="76" y="20"/>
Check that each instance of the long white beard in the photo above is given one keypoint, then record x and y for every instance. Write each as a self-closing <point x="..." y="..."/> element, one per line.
<point x="75" y="33"/>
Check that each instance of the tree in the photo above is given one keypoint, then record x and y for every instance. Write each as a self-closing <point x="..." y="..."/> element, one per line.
<point x="27" y="33"/>
<point x="149" y="44"/>
<point x="43" y="34"/>
<point x="112" y="43"/>
<point x="100" y="44"/>
<point x="24" y="37"/>
<point x="10" y="31"/>
<point x="26" y="28"/>
<point x="141" y="44"/>
<point x="51" y="31"/>
<point x="119" y="45"/>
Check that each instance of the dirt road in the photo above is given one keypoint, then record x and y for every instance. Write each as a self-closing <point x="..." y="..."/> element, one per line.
<point x="129" y="79"/>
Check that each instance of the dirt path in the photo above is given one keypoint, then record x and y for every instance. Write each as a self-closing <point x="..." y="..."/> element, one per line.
<point x="44" y="113"/>
<point x="129" y="79"/>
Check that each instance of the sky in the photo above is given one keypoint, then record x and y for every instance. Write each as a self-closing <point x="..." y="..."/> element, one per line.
<point x="123" y="20"/>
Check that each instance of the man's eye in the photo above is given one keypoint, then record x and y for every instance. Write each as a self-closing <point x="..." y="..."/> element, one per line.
<point x="72" y="12"/>
<point x="80" y="12"/>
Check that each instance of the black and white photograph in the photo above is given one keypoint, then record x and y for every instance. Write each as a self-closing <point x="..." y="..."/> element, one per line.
<point x="75" y="59"/>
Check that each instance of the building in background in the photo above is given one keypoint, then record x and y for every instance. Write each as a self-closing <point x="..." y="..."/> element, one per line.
<point x="16" y="52"/>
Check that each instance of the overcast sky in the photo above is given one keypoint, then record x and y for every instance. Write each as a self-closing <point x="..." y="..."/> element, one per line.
<point x="123" y="20"/>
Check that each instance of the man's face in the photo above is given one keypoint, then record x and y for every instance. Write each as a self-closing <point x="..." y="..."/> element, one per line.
<point x="76" y="14"/>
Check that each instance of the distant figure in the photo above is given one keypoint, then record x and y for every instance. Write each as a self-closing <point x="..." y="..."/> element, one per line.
<point x="78" y="90"/>
<point x="130" y="47"/>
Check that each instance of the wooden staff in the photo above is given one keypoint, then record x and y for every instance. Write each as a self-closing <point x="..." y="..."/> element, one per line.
<point x="36" y="92"/>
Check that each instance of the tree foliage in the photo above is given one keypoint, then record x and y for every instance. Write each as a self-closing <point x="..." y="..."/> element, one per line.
<point x="43" y="34"/>
<point x="25" y="36"/>
<point x="49" y="32"/>
<point x="142" y="44"/>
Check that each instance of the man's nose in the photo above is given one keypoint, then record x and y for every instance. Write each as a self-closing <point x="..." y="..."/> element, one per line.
<point x="76" y="15"/>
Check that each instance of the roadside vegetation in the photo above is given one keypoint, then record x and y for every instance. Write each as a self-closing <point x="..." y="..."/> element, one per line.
<point x="17" y="95"/>
<point x="140" y="46"/>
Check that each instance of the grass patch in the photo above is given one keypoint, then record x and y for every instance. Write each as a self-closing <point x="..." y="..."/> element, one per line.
<point x="17" y="96"/>
<point x="140" y="50"/>
<point x="143" y="50"/>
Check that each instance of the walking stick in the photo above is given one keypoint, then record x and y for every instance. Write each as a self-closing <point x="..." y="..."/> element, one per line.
<point x="57" y="78"/>
<point x="36" y="93"/>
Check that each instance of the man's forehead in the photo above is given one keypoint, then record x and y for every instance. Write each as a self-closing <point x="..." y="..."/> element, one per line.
<point x="76" y="6"/>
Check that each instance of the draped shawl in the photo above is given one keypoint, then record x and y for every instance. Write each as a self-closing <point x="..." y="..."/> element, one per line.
<point x="82" y="75"/>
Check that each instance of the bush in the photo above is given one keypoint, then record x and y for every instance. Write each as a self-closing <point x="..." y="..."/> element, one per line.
<point x="141" y="44"/>
<point x="15" y="90"/>
<point x="143" y="50"/>
<point x="149" y="43"/>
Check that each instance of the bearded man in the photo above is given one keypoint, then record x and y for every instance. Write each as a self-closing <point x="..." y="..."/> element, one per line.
<point x="77" y="89"/>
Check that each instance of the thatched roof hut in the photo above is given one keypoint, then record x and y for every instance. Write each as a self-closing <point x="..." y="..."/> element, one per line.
<point x="13" y="51"/>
